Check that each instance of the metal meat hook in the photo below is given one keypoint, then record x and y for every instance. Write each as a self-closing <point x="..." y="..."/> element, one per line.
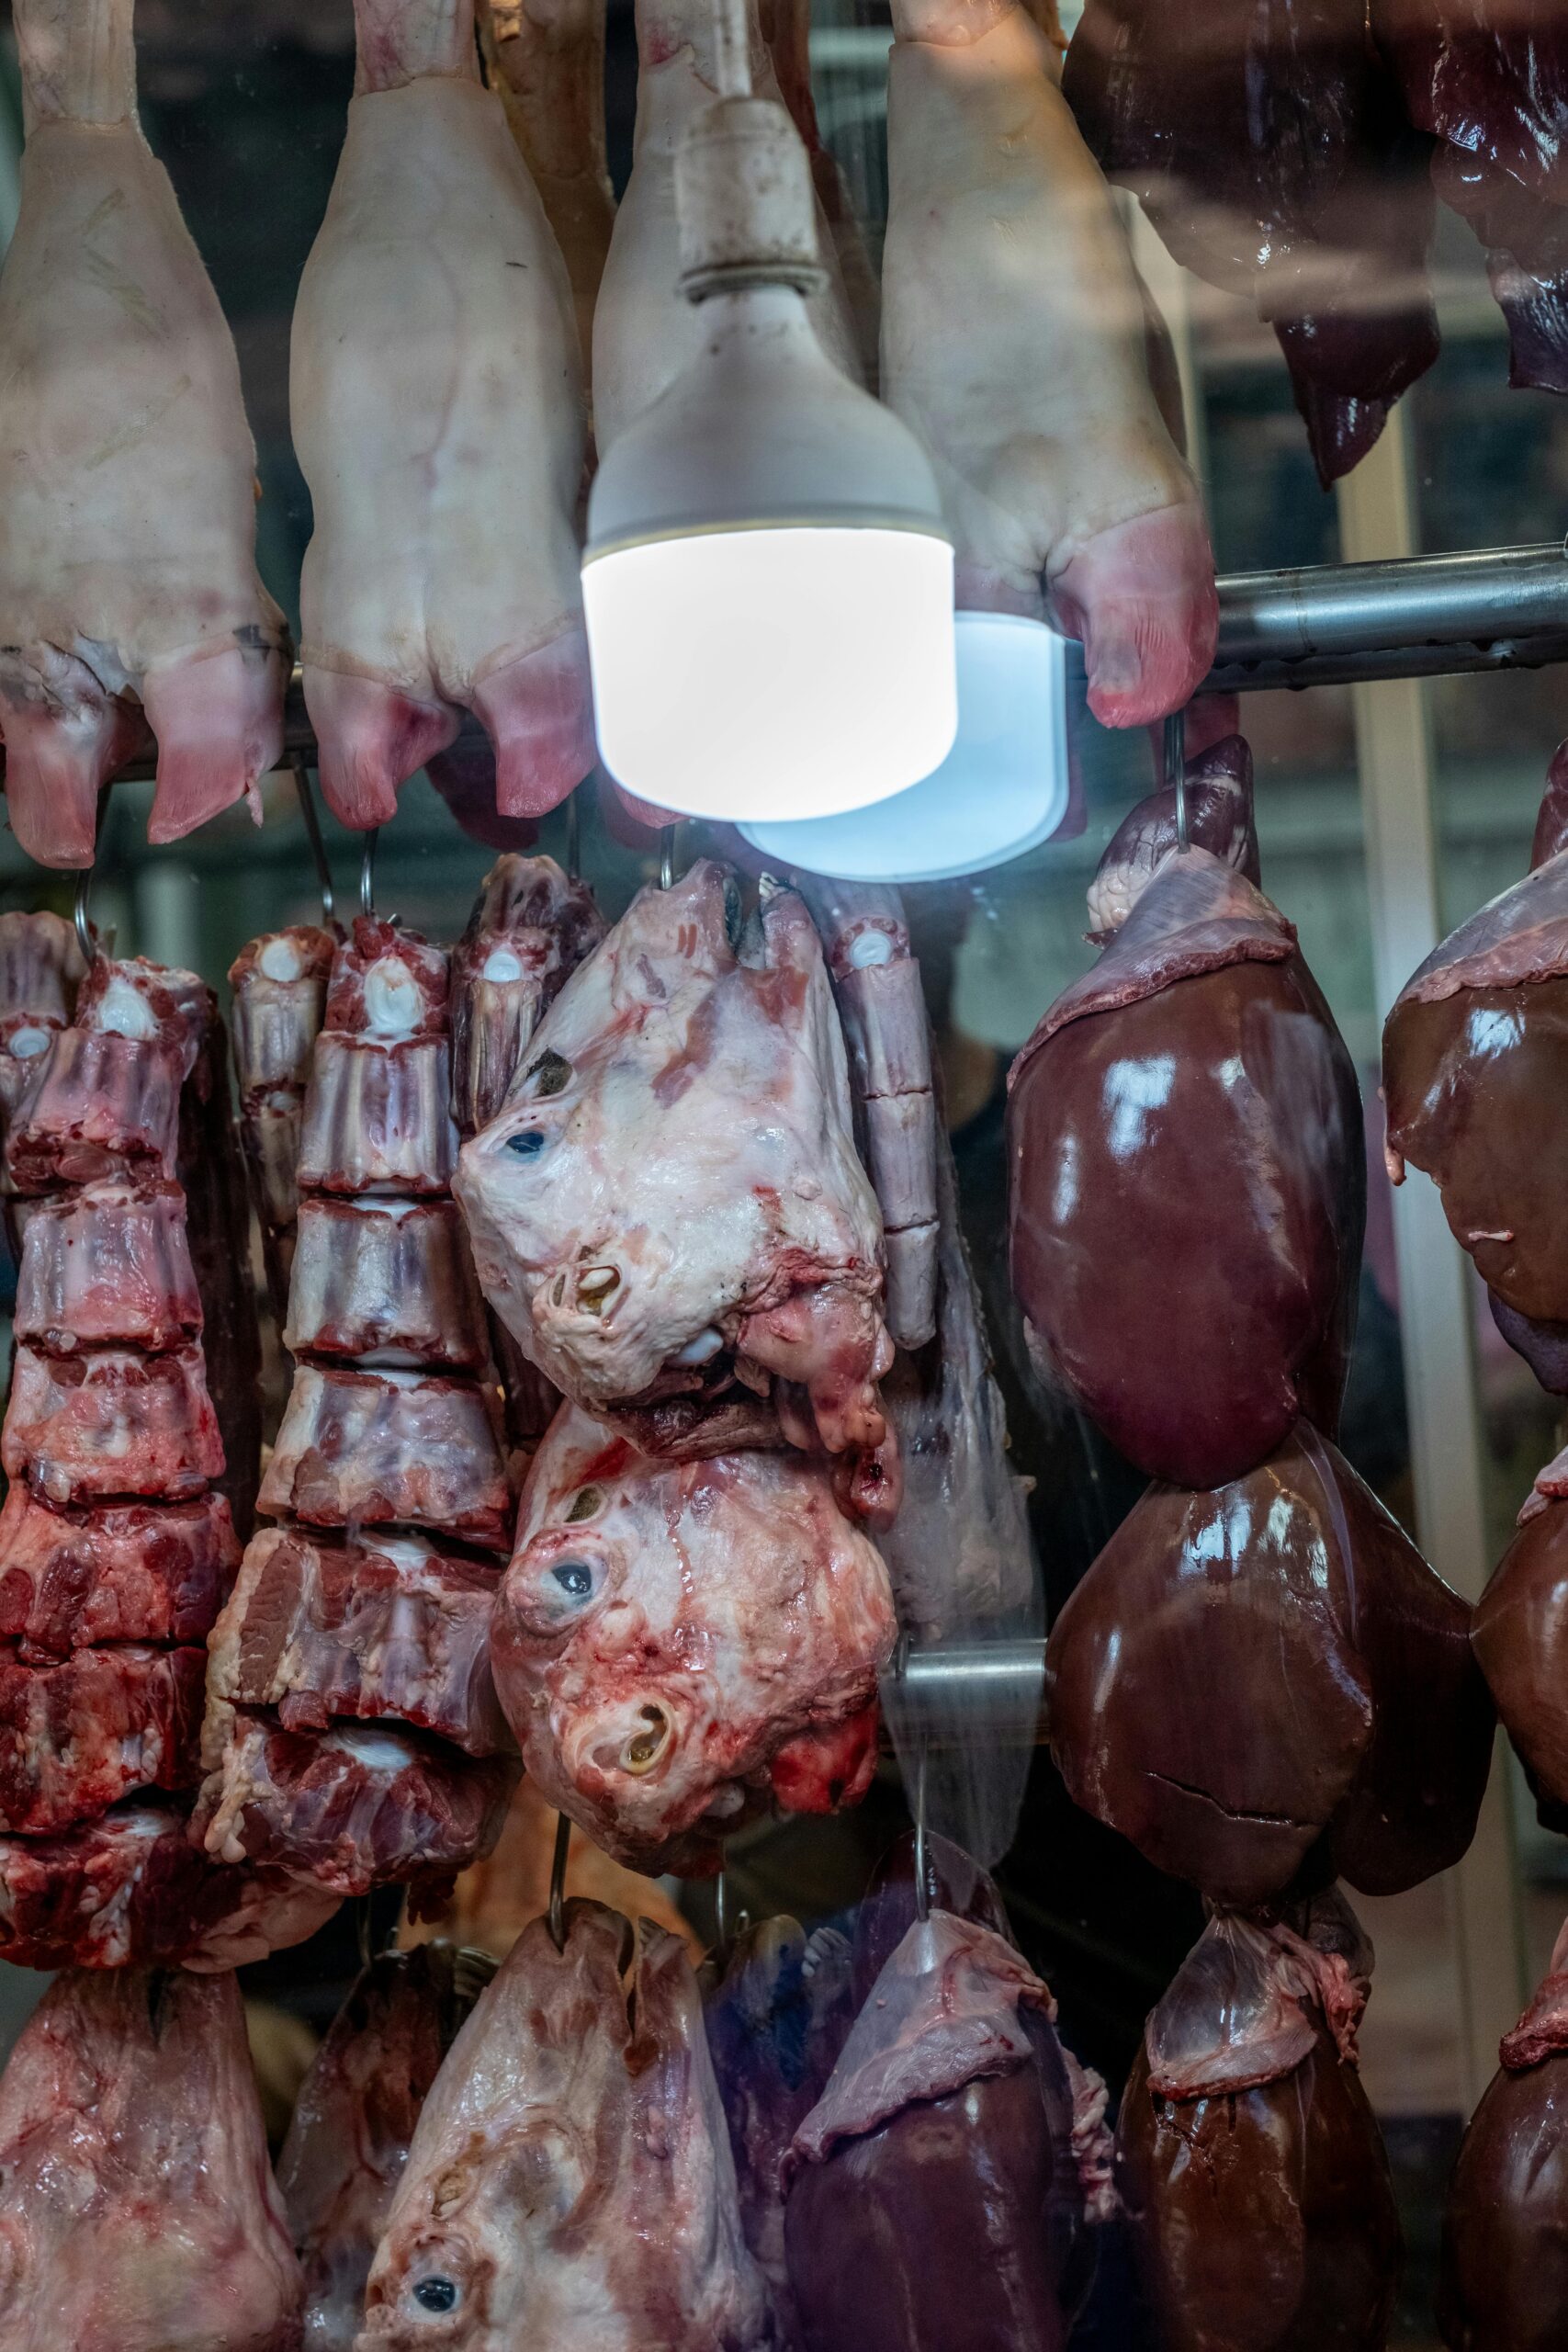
<point x="557" y="1913"/>
<point x="1175" y="770"/>
<point x="922" y="1893"/>
<point x="311" y="815"/>
<point x="86" y="938"/>
<point x="368" y="871"/>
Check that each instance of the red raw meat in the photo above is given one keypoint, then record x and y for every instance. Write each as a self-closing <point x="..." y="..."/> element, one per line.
<point x="1254" y="2180"/>
<point x="1245" y="1672"/>
<point x="140" y="2210"/>
<point x="77" y="1737"/>
<point x="390" y="1282"/>
<point x="367" y="1628"/>
<point x="100" y="1105"/>
<point x="40" y="966"/>
<point x="129" y="1572"/>
<point x="279" y="985"/>
<point x="134" y="1886"/>
<point x="108" y="1263"/>
<point x="1505" y="2279"/>
<point x="1489" y="80"/>
<point x="353" y="1807"/>
<point x="377" y="1117"/>
<point x="353" y="2119"/>
<point x="679" y="1644"/>
<point x="370" y="1448"/>
<point x="84" y="1429"/>
<point x="1187" y="1159"/>
<point x="155" y="1003"/>
<point x="1268" y="144"/>
<point x="388" y="981"/>
<point x="529" y="930"/>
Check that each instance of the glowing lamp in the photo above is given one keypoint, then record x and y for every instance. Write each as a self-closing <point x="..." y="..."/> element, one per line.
<point x="768" y="580"/>
<point x="1002" y="789"/>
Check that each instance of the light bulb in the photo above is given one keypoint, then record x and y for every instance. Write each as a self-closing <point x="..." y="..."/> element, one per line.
<point x="768" y="581"/>
<point x="1001" y="790"/>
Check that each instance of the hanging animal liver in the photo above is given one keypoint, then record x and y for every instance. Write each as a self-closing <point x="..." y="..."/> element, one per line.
<point x="1505" y="2279"/>
<point x="1244" y="1673"/>
<point x="1186" y="1167"/>
<point x="1247" y="2157"/>
<point x="1475" y="1062"/>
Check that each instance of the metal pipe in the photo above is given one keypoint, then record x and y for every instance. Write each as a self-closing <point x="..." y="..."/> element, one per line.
<point x="1409" y="617"/>
<point x="998" y="1683"/>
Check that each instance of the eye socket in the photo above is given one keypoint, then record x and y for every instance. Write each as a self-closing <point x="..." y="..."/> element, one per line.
<point x="644" y="1749"/>
<point x="574" y="1578"/>
<point x="527" y="1143"/>
<point x="584" y="1505"/>
<point x="551" y="1074"/>
<point x="436" y="2294"/>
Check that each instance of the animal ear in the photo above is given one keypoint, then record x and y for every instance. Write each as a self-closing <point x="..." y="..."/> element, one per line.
<point x="539" y="2176"/>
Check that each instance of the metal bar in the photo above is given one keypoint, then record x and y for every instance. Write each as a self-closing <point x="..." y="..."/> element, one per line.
<point x="1001" y="1682"/>
<point x="1340" y="623"/>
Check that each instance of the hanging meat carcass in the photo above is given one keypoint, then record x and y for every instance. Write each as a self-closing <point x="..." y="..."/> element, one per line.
<point x="1267" y="1677"/>
<point x="355" y="2116"/>
<point x="785" y="26"/>
<point x="1505" y="2282"/>
<point x="41" y="968"/>
<point x="1474" y="1059"/>
<point x="882" y="1006"/>
<point x="529" y="930"/>
<point x="1247" y="2157"/>
<point x="437" y="400"/>
<point x="546" y="58"/>
<point x="583" y="2080"/>
<point x="669" y="1215"/>
<point x="1269" y="147"/>
<point x="644" y="334"/>
<point x="940" y="2192"/>
<point x="1014" y="340"/>
<point x="127" y="473"/>
<point x="115" y="1551"/>
<point x="678" y="1645"/>
<point x="1489" y="80"/>
<point x="1186" y="1157"/>
<point x="140" y="2213"/>
<point x="279" y="990"/>
<point x="353" y="1735"/>
<point x="1520" y="1638"/>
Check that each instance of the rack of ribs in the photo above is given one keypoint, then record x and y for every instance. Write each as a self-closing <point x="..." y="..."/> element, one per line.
<point x="352" y="1737"/>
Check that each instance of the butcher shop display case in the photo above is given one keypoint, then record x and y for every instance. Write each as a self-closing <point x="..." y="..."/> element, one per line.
<point x="784" y="1025"/>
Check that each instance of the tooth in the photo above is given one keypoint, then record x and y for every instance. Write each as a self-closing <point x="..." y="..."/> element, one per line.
<point x="596" y="1279"/>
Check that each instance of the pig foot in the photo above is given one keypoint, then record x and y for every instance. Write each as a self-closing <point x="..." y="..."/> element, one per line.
<point x="372" y="738"/>
<point x="64" y="737"/>
<point x="538" y="713"/>
<point x="219" y="722"/>
<point x="1141" y="596"/>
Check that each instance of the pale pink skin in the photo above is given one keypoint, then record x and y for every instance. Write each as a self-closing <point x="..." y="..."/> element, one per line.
<point x="733" y="1612"/>
<point x="570" y="2175"/>
<point x="1014" y="340"/>
<point x="140" y="2210"/>
<point x="128" y="575"/>
<point x="691" y="1181"/>
<point x="437" y="405"/>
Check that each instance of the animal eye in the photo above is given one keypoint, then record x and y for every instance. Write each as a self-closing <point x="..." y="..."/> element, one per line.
<point x="527" y="1143"/>
<point x="575" y="1580"/>
<point x="551" y="1074"/>
<point x="436" y="2294"/>
<point x="585" y="1504"/>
